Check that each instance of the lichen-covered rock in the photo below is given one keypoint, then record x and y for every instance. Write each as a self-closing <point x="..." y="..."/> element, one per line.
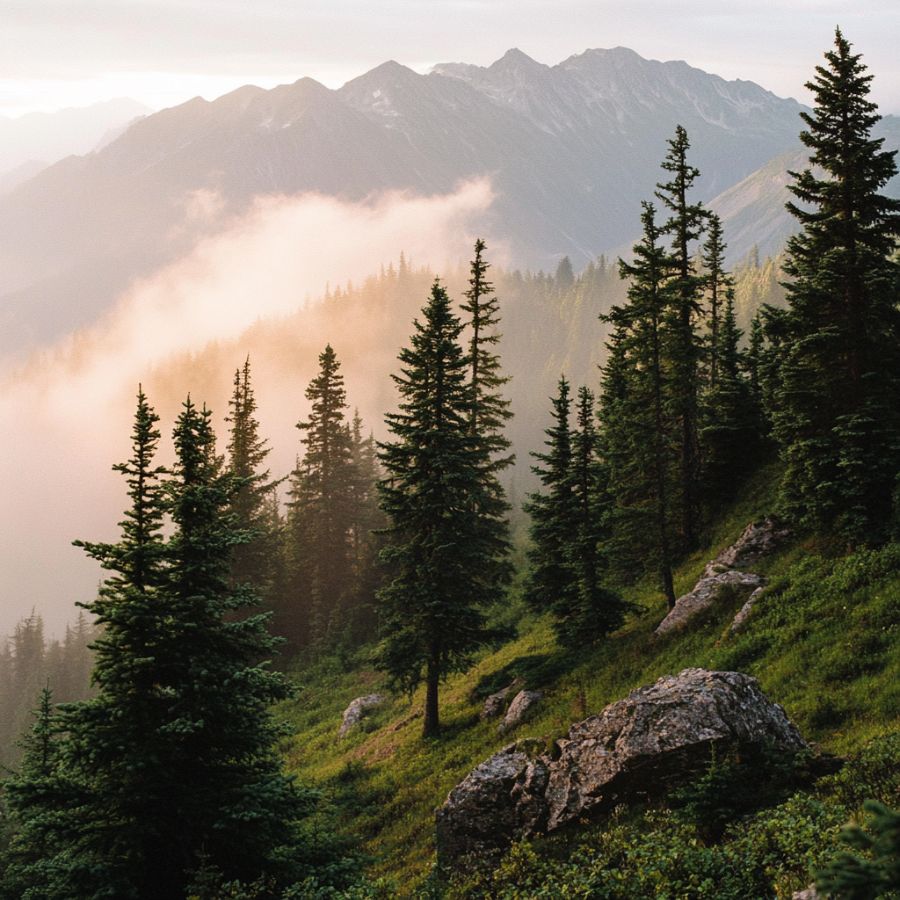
<point x="520" y="709"/>
<point x="757" y="540"/>
<point x="487" y="809"/>
<point x="357" y="710"/>
<point x="706" y="591"/>
<point x="651" y="740"/>
<point x="659" y="734"/>
<point x="728" y="569"/>
<point x="743" y="613"/>
<point x="496" y="703"/>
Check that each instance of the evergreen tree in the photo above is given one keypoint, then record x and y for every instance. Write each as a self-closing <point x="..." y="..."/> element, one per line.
<point x="597" y="610"/>
<point x="367" y="521"/>
<point x="489" y="411"/>
<point x="685" y="225"/>
<point x="718" y="284"/>
<point x="836" y="415"/>
<point x="441" y="565"/>
<point x="38" y="798"/>
<point x="641" y="433"/>
<point x="175" y="753"/>
<point x="555" y="517"/>
<point x="251" y="562"/>
<point x="731" y="420"/>
<point x="322" y="497"/>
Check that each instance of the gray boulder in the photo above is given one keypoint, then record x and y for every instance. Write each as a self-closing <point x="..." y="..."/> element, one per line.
<point x="705" y="593"/>
<point x="654" y="738"/>
<point x="490" y="806"/>
<point x="809" y="893"/>
<point x="757" y="540"/>
<point x="495" y="703"/>
<point x="519" y="710"/>
<point x="357" y="711"/>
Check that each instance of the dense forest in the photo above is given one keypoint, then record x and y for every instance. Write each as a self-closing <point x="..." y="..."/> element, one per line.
<point x="560" y="452"/>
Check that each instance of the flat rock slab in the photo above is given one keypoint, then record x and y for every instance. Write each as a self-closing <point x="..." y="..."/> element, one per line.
<point x="654" y="738"/>
<point x="705" y="593"/>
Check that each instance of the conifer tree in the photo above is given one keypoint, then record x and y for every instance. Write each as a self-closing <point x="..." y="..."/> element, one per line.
<point x="175" y="753"/>
<point x="718" y="283"/>
<point x="38" y="798"/>
<point x="555" y="516"/>
<point x="251" y="562"/>
<point x="836" y="414"/>
<point x="640" y="393"/>
<point x="597" y="610"/>
<point x="489" y="411"/>
<point x="322" y="497"/>
<point x="685" y="225"/>
<point x="441" y="575"/>
<point x="731" y="420"/>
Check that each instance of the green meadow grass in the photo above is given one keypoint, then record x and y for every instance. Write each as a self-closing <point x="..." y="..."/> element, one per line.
<point x="823" y="642"/>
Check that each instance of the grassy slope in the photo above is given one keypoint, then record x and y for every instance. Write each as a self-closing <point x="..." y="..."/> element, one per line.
<point x="824" y="642"/>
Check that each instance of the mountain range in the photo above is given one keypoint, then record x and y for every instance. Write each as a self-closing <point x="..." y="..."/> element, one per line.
<point x="570" y="150"/>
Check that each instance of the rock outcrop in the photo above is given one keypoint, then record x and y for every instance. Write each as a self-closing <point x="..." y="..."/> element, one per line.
<point x="495" y="703"/>
<point x="357" y="710"/>
<point x="520" y="709"/>
<point x="728" y="571"/>
<point x="639" y="746"/>
<point x="740" y="618"/>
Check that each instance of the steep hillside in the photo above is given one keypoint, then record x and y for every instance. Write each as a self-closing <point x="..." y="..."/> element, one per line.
<point x="823" y="642"/>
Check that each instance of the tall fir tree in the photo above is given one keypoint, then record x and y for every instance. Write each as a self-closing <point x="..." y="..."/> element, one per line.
<point x="441" y="566"/>
<point x="39" y="797"/>
<point x="322" y="498"/>
<point x="175" y="754"/>
<point x="489" y="410"/>
<point x="642" y="408"/>
<point x="835" y="409"/>
<point x="597" y="609"/>
<point x="685" y="224"/>
<point x="731" y="421"/>
<point x="718" y="284"/>
<point x="252" y="562"/>
<point x="555" y="516"/>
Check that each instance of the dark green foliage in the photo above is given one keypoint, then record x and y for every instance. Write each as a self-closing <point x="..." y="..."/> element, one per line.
<point x="38" y="799"/>
<point x="834" y="402"/>
<point x="321" y="506"/>
<point x="568" y="570"/>
<point x="718" y="284"/>
<point x="172" y="763"/>
<point x="874" y="870"/>
<point x="683" y="344"/>
<point x="489" y="410"/>
<point x="555" y="517"/>
<point x="641" y="428"/>
<point x="443" y="565"/>
<point x="731" y="419"/>
<point x="254" y="504"/>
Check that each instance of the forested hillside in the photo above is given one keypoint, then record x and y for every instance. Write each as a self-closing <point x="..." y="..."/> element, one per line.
<point x="579" y="585"/>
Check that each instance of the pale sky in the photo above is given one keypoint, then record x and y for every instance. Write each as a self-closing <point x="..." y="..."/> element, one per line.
<point x="58" y="53"/>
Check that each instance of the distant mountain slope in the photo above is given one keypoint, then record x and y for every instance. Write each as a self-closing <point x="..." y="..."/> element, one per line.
<point x="571" y="151"/>
<point x="51" y="136"/>
<point x="754" y="209"/>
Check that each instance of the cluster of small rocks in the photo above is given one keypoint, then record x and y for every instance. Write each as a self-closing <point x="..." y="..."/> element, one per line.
<point x="519" y="709"/>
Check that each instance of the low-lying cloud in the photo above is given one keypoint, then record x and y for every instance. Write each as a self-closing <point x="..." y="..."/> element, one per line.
<point x="66" y="414"/>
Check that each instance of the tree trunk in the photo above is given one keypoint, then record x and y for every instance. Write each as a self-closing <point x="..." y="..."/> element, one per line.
<point x="432" y="725"/>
